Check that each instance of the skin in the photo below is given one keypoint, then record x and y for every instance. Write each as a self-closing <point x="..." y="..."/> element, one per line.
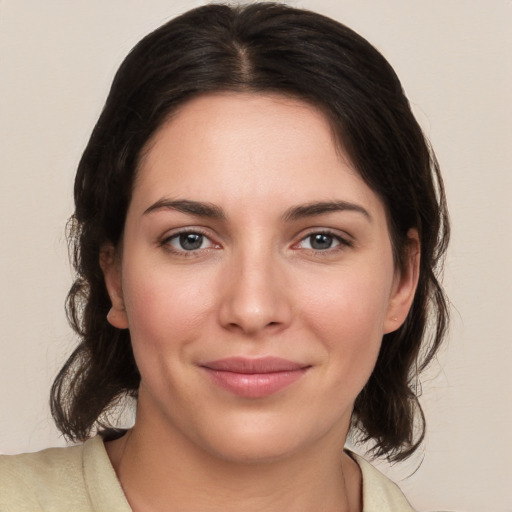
<point x="257" y="286"/>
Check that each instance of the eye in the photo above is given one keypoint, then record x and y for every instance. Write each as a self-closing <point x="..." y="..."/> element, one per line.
<point x="188" y="241"/>
<point x="321" y="241"/>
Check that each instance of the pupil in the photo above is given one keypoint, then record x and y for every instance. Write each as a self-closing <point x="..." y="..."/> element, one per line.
<point x="321" y="241"/>
<point x="191" y="241"/>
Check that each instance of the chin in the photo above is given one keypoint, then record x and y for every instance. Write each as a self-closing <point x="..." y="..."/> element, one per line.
<point x="250" y="448"/>
<point x="264" y="438"/>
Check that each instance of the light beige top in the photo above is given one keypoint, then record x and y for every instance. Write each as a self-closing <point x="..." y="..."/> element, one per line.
<point x="82" y="479"/>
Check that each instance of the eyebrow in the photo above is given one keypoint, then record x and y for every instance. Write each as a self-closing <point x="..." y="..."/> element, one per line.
<point x="197" y="208"/>
<point x="320" y="208"/>
<point x="210" y="210"/>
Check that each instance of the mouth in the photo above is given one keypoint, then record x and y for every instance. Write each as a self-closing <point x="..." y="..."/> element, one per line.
<point x="254" y="378"/>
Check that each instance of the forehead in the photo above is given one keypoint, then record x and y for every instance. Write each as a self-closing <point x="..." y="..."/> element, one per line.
<point x="263" y="147"/>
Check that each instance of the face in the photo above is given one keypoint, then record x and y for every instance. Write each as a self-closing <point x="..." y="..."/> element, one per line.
<point x="256" y="278"/>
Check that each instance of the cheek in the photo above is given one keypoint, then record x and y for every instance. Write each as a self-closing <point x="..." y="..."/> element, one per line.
<point x="165" y="311"/>
<point x="347" y="315"/>
<point x="353" y="304"/>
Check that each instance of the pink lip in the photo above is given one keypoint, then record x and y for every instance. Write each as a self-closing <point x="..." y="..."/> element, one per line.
<point x="254" y="378"/>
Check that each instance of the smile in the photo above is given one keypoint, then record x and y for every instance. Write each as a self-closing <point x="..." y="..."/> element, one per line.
<point x="254" y="378"/>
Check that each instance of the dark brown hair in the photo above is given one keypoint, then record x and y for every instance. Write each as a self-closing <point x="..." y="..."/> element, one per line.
<point x="271" y="48"/>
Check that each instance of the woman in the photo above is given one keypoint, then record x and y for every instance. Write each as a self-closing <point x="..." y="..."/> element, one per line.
<point x="258" y="223"/>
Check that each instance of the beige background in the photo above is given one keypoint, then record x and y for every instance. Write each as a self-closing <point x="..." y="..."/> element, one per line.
<point x="57" y="59"/>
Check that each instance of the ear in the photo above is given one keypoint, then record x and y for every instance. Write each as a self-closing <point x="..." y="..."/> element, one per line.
<point x="404" y="286"/>
<point x="111" y="267"/>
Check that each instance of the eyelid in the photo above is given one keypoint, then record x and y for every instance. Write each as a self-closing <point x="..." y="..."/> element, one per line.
<point x="344" y="239"/>
<point x="164" y="241"/>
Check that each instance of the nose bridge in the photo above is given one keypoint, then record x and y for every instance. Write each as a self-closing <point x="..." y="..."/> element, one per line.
<point x="255" y="298"/>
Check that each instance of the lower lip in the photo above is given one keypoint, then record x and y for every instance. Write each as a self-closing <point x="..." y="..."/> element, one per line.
<point x="255" y="385"/>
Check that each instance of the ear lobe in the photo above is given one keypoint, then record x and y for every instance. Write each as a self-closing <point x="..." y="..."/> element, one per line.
<point x="111" y="268"/>
<point x="404" y="287"/>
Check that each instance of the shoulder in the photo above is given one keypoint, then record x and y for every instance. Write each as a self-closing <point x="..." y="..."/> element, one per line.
<point x="30" y="479"/>
<point x="56" y="479"/>
<point x="380" y="494"/>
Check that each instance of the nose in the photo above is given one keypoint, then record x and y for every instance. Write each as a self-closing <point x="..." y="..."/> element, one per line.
<point x="255" y="298"/>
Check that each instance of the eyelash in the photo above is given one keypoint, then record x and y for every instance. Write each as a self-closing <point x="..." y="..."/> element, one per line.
<point x="342" y="242"/>
<point x="166" y="243"/>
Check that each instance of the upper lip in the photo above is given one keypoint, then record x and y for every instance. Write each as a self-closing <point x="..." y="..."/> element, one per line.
<point x="254" y="365"/>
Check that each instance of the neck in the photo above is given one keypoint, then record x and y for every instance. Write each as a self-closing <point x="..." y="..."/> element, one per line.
<point x="158" y="468"/>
